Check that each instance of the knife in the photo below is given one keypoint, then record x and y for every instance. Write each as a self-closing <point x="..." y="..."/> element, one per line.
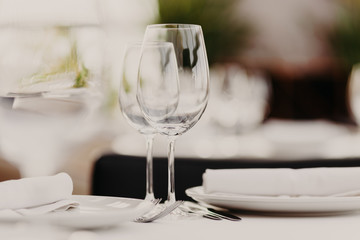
<point x="211" y="216"/>
<point x="199" y="212"/>
<point x="217" y="213"/>
<point x="224" y="214"/>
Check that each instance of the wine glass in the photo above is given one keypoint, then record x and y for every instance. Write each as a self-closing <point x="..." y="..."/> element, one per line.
<point x="131" y="111"/>
<point x="174" y="103"/>
<point x="241" y="100"/>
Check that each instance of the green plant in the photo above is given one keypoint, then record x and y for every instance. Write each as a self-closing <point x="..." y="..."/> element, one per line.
<point x="224" y="33"/>
<point x="71" y="63"/>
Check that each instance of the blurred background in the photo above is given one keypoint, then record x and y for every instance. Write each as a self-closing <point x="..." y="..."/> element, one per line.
<point x="283" y="78"/>
<point x="305" y="48"/>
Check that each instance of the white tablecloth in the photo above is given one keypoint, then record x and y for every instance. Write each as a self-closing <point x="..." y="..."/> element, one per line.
<point x="251" y="227"/>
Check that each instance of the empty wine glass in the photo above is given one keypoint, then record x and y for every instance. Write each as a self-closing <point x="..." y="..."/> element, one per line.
<point x="173" y="99"/>
<point x="130" y="108"/>
<point x="241" y="100"/>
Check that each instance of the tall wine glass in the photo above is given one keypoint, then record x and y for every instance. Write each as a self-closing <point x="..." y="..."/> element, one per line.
<point x="130" y="108"/>
<point x="174" y="106"/>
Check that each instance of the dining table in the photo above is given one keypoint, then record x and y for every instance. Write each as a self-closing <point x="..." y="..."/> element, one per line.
<point x="327" y="145"/>
<point x="291" y="144"/>
<point x="252" y="226"/>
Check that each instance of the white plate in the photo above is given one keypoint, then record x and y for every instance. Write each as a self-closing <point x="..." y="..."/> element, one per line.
<point x="303" y="205"/>
<point x="92" y="212"/>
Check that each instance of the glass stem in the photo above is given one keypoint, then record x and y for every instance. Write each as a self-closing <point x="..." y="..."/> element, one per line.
<point x="149" y="167"/>
<point x="171" y="170"/>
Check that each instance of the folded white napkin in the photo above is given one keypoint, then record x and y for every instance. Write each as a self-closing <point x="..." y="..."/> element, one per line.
<point x="284" y="181"/>
<point x="37" y="195"/>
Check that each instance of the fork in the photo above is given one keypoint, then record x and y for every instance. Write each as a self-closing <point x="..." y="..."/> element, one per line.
<point x="168" y="209"/>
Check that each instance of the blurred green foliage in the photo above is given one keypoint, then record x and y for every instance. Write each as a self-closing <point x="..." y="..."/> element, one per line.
<point x="345" y="37"/>
<point x="70" y="63"/>
<point x="224" y="32"/>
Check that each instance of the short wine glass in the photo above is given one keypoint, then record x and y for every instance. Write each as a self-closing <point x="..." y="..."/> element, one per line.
<point x="174" y="104"/>
<point x="131" y="111"/>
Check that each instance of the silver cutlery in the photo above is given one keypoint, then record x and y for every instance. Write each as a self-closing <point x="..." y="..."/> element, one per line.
<point x="152" y="216"/>
<point x="209" y="212"/>
<point x="187" y="210"/>
<point x="225" y="215"/>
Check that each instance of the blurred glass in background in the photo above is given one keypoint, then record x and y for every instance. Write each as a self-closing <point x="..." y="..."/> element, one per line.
<point x="305" y="48"/>
<point x="344" y="40"/>
<point x="240" y="99"/>
<point x="353" y="93"/>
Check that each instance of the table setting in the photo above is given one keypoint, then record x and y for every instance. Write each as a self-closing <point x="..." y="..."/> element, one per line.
<point x="207" y="190"/>
<point x="303" y="191"/>
<point x="228" y="199"/>
<point x="100" y="217"/>
<point x="49" y="200"/>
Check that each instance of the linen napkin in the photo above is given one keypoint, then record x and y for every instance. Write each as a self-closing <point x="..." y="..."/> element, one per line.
<point x="37" y="195"/>
<point x="284" y="181"/>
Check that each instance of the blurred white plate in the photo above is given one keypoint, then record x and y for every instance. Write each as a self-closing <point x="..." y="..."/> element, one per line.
<point x="92" y="212"/>
<point x="301" y="139"/>
<point x="283" y="204"/>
